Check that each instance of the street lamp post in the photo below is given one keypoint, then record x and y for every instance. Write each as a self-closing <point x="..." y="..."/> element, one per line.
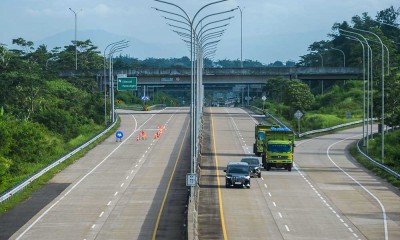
<point x="382" y="92"/>
<point x="370" y="76"/>
<point x="196" y="55"/>
<point x="241" y="36"/>
<point x="364" y="85"/>
<point x="344" y="56"/>
<point x="104" y="76"/>
<point x="76" y="26"/>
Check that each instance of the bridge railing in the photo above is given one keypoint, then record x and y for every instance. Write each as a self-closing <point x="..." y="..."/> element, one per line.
<point x="251" y="71"/>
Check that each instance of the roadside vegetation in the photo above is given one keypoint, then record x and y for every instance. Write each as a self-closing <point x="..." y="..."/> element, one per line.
<point x="340" y="102"/>
<point x="392" y="156"/>
<point x="44" y="116"/>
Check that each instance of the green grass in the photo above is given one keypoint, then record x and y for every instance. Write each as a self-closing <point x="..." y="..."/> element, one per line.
<point x="377" y="171"/>
<point x="44" y="179"/>
<point x="313" y="121"/>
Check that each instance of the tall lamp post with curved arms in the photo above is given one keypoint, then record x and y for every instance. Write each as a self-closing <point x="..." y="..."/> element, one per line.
<point x="241" y="36"/>
<point x="365" y="110"/>
<point x="344" y="55"/>
<point x="190" y="31"/>
<point x="104" y="75"/>
<point x="114" y="49"/>
<point x="382" y="92"/>
<point x="76" y="25"/>
<point x="370" y="77"/>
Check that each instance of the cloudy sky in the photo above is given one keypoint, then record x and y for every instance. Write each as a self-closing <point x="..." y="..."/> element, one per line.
<point x="272" y="29"/>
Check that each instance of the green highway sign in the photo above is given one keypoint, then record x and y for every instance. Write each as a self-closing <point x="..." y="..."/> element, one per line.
<point x="127" y="83"/>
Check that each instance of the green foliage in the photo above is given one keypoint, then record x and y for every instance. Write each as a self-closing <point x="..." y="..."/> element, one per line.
<point x="341" y="99"/>
<point x="311" y="121"/>
<point x="4" y="165"/>
<point x="42" y="117"/>
<point x="298" y="96"/>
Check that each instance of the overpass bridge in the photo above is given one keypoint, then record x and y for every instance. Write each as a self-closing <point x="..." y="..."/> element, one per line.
<point x="239" y="80"/>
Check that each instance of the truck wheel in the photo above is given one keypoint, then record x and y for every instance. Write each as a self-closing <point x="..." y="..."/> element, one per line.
<point x="268" y="167"/>
<point x="289" y="168"/>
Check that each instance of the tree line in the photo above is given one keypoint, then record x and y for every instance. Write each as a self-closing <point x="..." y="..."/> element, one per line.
<point x="385" y="25"/>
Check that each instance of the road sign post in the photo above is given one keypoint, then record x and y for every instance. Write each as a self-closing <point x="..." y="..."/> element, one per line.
<point x="127" y="83"/>
<point x="264" y="98"/>
<point x="191" y="180"/>
<point x="298" y="115"/>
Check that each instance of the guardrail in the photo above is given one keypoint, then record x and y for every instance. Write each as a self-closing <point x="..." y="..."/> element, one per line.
<point x="331" y="128"/>
<point x="136" y="108"/>
<point x="25" y="183"/>
<point x="376" y="163"/>
<point x="271" y="116"/>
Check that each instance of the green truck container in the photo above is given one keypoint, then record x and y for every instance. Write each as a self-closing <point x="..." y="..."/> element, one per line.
<point x="275" y="145"/>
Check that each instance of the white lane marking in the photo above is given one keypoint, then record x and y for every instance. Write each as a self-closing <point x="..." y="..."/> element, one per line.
<point x="122" y="184"/>
<point x="362" y="186"/>
<point x="108" y="204"/>
<point x="101" y="214"/>
<point x="263" y="180"/>
<point x="269" y="194"/>
<point x="83" y="178"/>
<point x="115" y="194"/>
<point x="127" y="177"/>
<point x="94" y="225"/>
<point x="287" y="228"/>
<point x="280" y="215"/>
<point x="274" y="204"/>
<point x="265" y="185"/>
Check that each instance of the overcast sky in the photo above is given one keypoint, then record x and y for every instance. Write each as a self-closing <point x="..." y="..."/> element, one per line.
<point x="272" y="29"/>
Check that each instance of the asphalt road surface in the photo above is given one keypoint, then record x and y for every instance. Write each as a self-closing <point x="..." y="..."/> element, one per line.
<point x="326" y="196"/>
<point x="128" y="189"/>
<point x="136" y="189"/>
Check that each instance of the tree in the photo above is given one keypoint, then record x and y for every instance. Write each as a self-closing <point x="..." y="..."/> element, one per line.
<point x="297" y="95"/>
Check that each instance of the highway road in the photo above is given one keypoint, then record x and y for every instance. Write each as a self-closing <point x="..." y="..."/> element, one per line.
<point x="326" y="196"/>
<point x="136" y="189"/>
<point x="123" y="190"/>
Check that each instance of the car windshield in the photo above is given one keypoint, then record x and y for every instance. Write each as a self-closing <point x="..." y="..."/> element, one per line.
<point x="251" y="161"/>
<point x="279" y="148"/>
<point x="238" y="169"/>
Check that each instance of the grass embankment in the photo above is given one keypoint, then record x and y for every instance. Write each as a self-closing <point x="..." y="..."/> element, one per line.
<point x="391" y="158"/>
<point x="44" y="179"/>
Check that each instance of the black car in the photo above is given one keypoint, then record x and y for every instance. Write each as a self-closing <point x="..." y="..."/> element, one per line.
<point x="237" y="174"/>
<point x="254" y="164"/>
